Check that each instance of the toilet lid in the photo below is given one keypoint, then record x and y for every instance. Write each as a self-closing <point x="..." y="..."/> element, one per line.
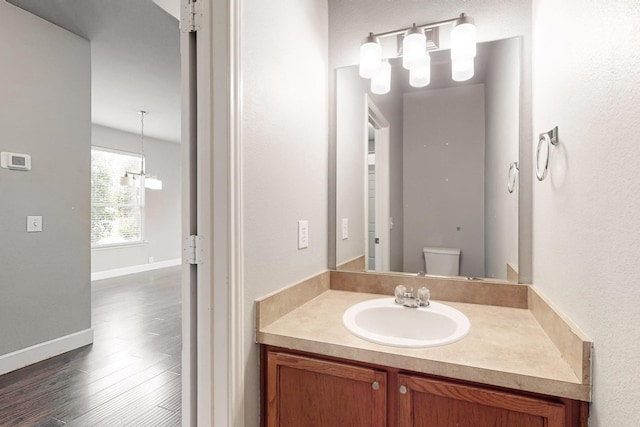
<point x="447" y="251"/>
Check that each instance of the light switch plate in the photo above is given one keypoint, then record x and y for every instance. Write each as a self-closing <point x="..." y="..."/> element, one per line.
<point x="303" y="234"/>
<point x="345" y="228"/>
<point x="34" y="223"/>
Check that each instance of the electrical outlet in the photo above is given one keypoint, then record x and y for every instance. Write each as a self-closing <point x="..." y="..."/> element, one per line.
<point x="34" y="224"/>
<point x="345" y="228"/>
<point x="303" y="234"/>
<point x="151" y="260"/>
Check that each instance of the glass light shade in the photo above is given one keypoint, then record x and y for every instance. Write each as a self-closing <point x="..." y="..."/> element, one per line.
<point x="463" y="40"/>
<point x="152" y="183"/>
<point x="126" y="180"/>
<point x="414" y="49"/>
<point x="422" y="76"/>
<point x="462" y="69"/>
<point x="370" y="58"/>
<point x="381" y="83"/>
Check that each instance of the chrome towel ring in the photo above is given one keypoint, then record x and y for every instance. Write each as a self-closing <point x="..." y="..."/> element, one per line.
<point x="512" y="175"/>
<point x="545" y="142"/>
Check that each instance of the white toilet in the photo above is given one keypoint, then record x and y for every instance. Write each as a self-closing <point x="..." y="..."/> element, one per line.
<point x="442" y="261"/>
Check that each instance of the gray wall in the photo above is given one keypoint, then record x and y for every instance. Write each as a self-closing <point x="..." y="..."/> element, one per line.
<point x="284" y="155"/>
<point x="45" y="111"/>
<point x="502" y="87"/>
<point x="444" y="135"/>
<point x="162" y="207"/>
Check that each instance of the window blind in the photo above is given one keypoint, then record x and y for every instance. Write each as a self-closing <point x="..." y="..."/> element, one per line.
<point x="117" y="211"/>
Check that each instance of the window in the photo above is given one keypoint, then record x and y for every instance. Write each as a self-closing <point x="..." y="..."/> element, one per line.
<point x="117" y="211"/>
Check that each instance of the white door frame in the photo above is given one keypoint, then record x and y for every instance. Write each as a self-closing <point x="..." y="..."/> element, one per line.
<point x="381" y="125"/>
<point x="212" y="290"/>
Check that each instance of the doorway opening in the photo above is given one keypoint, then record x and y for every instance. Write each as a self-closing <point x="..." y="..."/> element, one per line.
<point x="131" y="53"/>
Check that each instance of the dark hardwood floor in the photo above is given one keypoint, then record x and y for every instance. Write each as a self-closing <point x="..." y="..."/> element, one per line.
<point x="129" y="376"/>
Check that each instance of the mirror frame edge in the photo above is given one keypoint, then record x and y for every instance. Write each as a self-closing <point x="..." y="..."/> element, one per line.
<point x="525" y="159"/>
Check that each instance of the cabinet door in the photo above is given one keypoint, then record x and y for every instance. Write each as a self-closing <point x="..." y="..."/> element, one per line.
<point x="307" y="392"/>
<point x="426" y="402"/>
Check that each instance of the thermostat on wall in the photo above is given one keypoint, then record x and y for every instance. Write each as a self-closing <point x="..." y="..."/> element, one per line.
<point x="15" y="161"/>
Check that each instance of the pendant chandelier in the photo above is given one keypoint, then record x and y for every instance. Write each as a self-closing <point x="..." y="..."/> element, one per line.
<point x="129" y="178"/>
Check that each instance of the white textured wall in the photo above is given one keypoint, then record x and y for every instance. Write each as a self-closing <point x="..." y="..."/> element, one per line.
<point x="45" y="111"/>
<point x="502" y="90"/>
<point x="162" y="207"/>
<point x="444" y="131"/>
<point x="284" y="139"/>
<point x="586" y="241"/>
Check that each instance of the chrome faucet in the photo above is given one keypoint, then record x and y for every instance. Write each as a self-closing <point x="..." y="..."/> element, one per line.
<point x="409" y="299"/>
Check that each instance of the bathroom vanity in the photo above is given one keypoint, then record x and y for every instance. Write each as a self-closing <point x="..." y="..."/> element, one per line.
<point x="522" y="363"/>
<point x="304" y="389"/>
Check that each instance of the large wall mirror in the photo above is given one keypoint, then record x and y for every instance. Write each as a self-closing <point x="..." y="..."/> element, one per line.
<point x="429" y="167"/>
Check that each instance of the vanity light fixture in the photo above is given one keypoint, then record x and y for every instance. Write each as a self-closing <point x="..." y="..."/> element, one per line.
<point x="417" y="40"/>
<point x="129" y="177"/>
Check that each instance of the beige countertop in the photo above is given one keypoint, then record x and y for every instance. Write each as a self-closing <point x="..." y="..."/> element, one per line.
<point x="506" y="346"/>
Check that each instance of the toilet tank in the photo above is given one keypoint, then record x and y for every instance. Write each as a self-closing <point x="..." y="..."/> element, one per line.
<point x="442" y="261"/>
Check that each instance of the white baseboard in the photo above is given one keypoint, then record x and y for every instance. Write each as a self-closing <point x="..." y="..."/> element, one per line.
<point x="43" y="351"/>
<point x="134" y="269"/>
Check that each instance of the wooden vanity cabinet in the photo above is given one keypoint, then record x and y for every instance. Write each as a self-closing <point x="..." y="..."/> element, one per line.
<point x="301" y="389"/>
<point x="309" y="392"/>
<point x="426" y="402"/>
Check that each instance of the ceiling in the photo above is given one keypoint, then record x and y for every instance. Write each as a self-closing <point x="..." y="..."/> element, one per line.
<point x="135" y="60"/>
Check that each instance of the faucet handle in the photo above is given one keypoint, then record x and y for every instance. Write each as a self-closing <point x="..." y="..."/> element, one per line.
<point x="423" y="297"/>
<point x="400" y="294"/>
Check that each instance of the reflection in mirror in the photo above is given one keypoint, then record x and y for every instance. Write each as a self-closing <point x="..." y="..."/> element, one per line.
<point x="442" y="169"/>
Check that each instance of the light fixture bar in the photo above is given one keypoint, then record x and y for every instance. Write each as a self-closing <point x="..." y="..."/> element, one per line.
<point x="432" y="36"/>
<point x="419" y="27"/>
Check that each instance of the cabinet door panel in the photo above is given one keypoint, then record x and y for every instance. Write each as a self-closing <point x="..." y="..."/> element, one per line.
<point x="315" y="393"/>
<point x="435" y="403"/>
<point x="430" y="411"/>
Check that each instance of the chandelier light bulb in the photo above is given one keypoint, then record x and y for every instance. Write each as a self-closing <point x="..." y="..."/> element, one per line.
<point x="152" y="183"/>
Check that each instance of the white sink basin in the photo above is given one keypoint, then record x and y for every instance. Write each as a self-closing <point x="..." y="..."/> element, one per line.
<point x="384" y="322"/>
